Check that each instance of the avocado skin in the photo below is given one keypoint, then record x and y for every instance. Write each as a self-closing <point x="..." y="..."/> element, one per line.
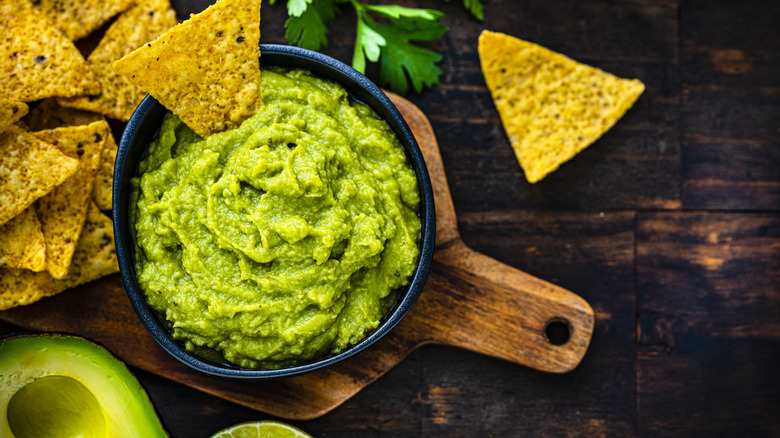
<point x="126" y="406"/>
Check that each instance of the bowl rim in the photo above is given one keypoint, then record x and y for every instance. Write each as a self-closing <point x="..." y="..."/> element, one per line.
<point x="360" y="88"/>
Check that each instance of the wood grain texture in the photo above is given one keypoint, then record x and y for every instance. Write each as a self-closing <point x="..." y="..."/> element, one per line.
<point x="730" y="105"/>
<point x="708" y="306"/>
<point x="470" y="301"/>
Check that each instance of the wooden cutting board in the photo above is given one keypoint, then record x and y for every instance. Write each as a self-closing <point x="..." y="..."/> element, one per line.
<point x="469" y="301"/>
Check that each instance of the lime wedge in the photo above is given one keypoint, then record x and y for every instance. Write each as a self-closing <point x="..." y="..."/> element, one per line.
<point x="261" y="429"/>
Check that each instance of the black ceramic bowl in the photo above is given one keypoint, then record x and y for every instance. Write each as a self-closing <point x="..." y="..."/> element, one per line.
<point x="144" y="125"/>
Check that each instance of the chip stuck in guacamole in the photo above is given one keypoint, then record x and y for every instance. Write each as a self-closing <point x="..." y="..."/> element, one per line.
<point x="282" y="240"/>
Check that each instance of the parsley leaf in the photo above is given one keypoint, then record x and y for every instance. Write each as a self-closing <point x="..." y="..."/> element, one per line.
<point x="401" y="61"/>
<point x="307" y="22"/>
<point x="368" y="44"/>
<point x="296" y="7"/>
<point x="397" y="12"/>
<point x="476" y="8"/>
<point x="385" y="34"/>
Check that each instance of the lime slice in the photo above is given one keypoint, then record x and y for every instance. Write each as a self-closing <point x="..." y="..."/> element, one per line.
<point x="261" y="429"/>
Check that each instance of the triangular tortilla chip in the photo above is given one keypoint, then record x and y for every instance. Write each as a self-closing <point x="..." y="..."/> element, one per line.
<point x="118" y="94"/>
<point x="29" y="169"/>
<point x="49" y="115"/>
<point x="78" y="18"/>
<point x="63" y="211"/>
<point x="10" y="112"/>
<point x="206" y="70"/>
<point x="551" y="106"/>
<point x="95" y="257"/>
<point x="21" y="242"/>
<point x="36" y="59"/>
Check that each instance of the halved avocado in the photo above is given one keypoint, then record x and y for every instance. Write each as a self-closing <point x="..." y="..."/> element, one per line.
<point x="63" y="386"/>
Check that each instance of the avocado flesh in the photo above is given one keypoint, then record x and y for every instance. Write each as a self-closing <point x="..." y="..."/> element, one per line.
<point x="63" y="386"/>
<point x="55" y="406"/>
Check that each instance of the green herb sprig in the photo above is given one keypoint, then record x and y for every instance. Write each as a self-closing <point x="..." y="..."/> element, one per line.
<point x="385" y="33"/>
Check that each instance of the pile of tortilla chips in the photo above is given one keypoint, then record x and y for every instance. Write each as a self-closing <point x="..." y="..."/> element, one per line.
<point x="57" y="151"/>
<point x="46" y="194"/>
<point x="551" y="106"/>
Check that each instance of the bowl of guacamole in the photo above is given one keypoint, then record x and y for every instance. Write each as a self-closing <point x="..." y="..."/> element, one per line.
<point x="282" y="246"/>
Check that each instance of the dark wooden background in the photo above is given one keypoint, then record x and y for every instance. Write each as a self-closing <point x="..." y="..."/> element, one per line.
<point x="669" y="226"/>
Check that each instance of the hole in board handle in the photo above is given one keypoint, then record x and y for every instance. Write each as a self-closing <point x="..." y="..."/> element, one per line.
<point x="557" y="331"/>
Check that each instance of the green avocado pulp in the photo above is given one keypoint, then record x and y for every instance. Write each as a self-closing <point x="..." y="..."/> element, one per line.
<point x="283" y="240"/>
<point x="55" y="406"/>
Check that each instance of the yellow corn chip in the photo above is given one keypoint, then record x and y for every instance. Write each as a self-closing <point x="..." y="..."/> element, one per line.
<point x="118" y="94"/>
<point x="21" y="242"/>
<point x="95" y="257"/>
<point x="49" y="115"/>
<point x="78" y="18"/>
<point x="19" y="287"/>
<point x="63" y="211"/>
<point x="551" y="106"/>
<point x="21" y="125"/>
<point x="206" y="70"/>
<point x="36" y="59"/>
<point x="95" y="254"/>
<point x="103" y="188"/>
<point x="29" y="169"/>
<point x="10" y="112"/>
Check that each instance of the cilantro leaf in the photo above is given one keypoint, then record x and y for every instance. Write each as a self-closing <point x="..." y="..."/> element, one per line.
<point x="397" y="12"/>
<point x="307" y="22"/>
<point x="368" y="44"/>
<point x="400" y="59"/>
<point x="296" y="8"/>
<point x="476" y="8"/>
<point x="389" y="41"/>
<point x="401" y="62"/>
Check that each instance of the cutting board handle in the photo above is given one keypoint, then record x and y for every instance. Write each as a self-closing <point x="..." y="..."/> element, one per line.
<point x="478" y="303"/>
<point x="475" y="302"/>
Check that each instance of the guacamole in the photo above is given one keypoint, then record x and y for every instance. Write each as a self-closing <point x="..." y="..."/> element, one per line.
<point x="283" y="240"/>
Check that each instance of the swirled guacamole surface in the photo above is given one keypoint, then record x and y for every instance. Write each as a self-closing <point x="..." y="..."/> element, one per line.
<point x="282" y="240"/>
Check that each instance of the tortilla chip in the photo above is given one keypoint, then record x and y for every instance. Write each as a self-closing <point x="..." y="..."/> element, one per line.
<point x="21" y="242"/>
<point x="29" y="169"/>
<point x="119" y="96"/>
<point x="551" y="106"/>
<point x="63" y="211"/>
<point x="21" y="125"/>
<point x="103" y="188"/>
<point x="36" y="59"/>
<point x="95" y="257"/>
<point x="49" y="115"/>
<point x="10" y="112"/>
<point x="206" y="70"/>
<point x="78" y="18"/>
<point x="95" y="254"/>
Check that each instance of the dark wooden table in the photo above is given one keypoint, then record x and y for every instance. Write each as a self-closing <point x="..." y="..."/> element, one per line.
<point x="669" y="226"/>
